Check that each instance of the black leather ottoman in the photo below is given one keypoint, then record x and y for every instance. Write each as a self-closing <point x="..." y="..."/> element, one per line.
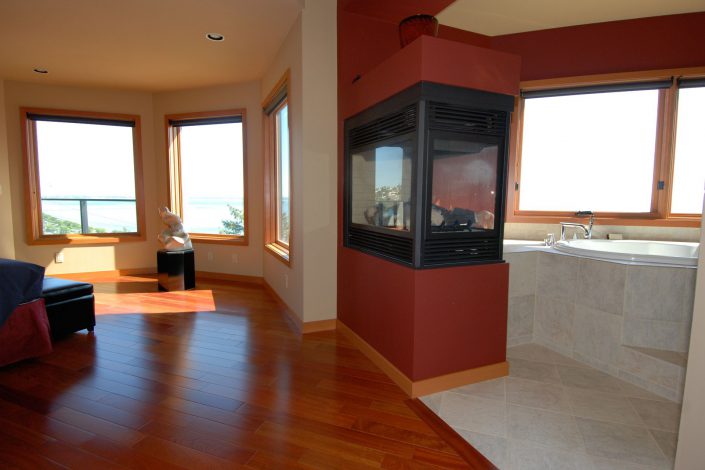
<point x="70" y="306"/>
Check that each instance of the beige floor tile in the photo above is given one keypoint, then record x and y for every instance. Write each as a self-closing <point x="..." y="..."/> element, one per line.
<point x="433" y="401"/>
<point x="609" y="464"/>
<point x="524" y="455"/>
<point x="475" y="414"/>
<point x="667" y="441"/>
<point x="539" y="371"/>
<point x="631" y="390"/>
<point x="532" y="352"/>
<point x="544" y="427"/>
<point x="537" y="395"/>
<point x="588" y="379"/>
<point x="602" y="406"/>
<point x="660" y="415"/>
<point x="621" y="442"/>
<point x="492" y="389"/>
<point x="492" y="447"/>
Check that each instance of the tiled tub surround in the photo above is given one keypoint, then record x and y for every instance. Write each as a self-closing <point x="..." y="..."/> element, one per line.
<point x="553" y="412"/>
<point x="630" y="321"/>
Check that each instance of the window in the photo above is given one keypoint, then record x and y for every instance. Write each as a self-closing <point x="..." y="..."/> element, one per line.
<point x="84" y="177"/>
<point x="689" y="170"/>
<point x="207" y="174"/>
<point x="630" y="152"/>
<point x="278" y="172"/>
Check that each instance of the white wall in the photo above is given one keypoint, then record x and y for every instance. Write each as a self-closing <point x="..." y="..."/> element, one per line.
<point x="237" y="96"/>
<point x="7" y="237"/>
<point x="690" y="454"/>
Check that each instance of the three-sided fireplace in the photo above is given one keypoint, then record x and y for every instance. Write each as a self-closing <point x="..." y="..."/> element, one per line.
<point x="425" y="174"/>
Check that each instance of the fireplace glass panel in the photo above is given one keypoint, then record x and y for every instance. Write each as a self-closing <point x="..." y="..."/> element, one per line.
<point x="464" y="185"/>
<point x="381" y="185"/>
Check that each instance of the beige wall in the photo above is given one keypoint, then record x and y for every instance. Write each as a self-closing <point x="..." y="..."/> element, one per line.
<point x="538" y="232"/>
<point x="691" y="452"/>
<point x="7" y="237"/>
<point x="308" y="286"/>
<point x="320" y="155"/>
<point x="81" y="258"/>
<point x="287" y="281"/>
<point x="248" y="259"/>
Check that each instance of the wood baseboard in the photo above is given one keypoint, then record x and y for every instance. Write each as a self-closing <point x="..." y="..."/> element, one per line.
<point x="426" y="386"/>
<point x="299" y="325"/>
<point x="471" y="455"/>
<point x="229" y="277"/>
<point x="320" y="325"/>
<point x="293" y="318"/>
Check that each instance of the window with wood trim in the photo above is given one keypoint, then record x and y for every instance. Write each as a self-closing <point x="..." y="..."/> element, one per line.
<point x="278" y="172"/>
<point x="628" y="151"/>
<point x="207" y="167"/>
<point x="84" y="177"/>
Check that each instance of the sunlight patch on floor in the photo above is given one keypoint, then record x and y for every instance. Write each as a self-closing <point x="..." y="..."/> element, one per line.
<point x="154" y="302"/>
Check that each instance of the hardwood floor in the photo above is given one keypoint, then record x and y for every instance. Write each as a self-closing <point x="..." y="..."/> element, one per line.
<point x="211" y="378"/>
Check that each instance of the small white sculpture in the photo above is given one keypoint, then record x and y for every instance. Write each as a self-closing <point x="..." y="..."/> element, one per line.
<point x="173" y="238"/>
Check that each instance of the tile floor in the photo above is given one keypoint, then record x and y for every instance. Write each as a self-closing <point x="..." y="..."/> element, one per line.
<point x="553" y="412"/>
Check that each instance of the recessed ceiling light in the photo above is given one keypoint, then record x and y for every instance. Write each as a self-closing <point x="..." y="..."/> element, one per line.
<point x="41" y="70"/>
<point x="215" y="37"/>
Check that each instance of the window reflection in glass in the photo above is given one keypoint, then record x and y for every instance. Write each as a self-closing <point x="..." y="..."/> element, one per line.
<point x="381" y="186"/>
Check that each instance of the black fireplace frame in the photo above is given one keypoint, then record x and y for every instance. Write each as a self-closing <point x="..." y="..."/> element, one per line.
<point x="420" y="111"/>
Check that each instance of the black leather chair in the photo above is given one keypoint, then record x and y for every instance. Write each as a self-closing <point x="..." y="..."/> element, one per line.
<point x="70" y="306"/>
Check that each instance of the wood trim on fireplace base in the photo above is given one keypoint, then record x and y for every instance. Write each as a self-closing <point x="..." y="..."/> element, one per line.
<point x="426" y="386"/>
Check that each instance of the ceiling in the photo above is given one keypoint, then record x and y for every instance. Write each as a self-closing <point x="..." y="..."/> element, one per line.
<point x="160" y="45"/>
<point x="150" y="45"/>
<point x="497" y="17"/>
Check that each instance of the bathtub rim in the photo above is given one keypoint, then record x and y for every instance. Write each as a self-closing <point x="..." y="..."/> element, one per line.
<point x="523" y="246"/>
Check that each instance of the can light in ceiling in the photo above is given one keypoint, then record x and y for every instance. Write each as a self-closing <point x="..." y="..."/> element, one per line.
<point x="215" y="37"/>
<point x="41" y="70"/>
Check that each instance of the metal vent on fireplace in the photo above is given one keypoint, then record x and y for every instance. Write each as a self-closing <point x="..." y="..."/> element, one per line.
<point x="460" y="118"/>
<point x="386" y="127"/>
<point x="439" y="252"/>
<point x="390" y="246"/>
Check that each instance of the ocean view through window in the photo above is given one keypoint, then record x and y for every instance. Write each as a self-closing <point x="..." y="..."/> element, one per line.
<point x="278" y="172"/>
<point x="207" y="173"/>
<point x="83" y="175"/>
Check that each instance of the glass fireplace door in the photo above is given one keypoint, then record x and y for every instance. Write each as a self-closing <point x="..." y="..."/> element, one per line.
<point x="381" y="185"/>
<point x="463" y="184"/>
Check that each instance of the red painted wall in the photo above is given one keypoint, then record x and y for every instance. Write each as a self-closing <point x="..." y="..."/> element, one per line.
<point x="427" y="322"/>
<point x="460" y="320"/>
<point x="618" y="46"/>
<point x="433" y="60"/>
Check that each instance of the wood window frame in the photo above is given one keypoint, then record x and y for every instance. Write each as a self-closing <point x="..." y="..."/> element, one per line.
<point x="660" y="214"/>
<point x="280" y="250"/>
<point x="33" y="206"/>
<point x="174" y="172"/>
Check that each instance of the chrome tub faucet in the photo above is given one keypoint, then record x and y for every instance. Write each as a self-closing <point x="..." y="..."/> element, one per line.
<point x="587" y="231"/>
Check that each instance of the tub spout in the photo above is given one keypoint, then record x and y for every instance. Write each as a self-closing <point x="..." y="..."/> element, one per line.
<point x="587" y="231"/>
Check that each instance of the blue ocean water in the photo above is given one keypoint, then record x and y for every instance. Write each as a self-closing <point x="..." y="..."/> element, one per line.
<point x="201" y="215"/>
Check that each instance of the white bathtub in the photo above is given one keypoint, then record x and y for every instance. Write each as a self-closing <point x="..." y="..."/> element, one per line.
<point x="634" y="251"/>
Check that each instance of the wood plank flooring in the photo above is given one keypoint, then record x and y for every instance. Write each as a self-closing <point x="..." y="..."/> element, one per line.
<point x="212" y="378"/>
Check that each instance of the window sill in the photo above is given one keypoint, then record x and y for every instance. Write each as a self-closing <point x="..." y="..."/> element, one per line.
<point x="107" y="239"/>
<point x="279" y="252"/>
<point x="682" y="221"/>
<point x="240" y="240"/>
